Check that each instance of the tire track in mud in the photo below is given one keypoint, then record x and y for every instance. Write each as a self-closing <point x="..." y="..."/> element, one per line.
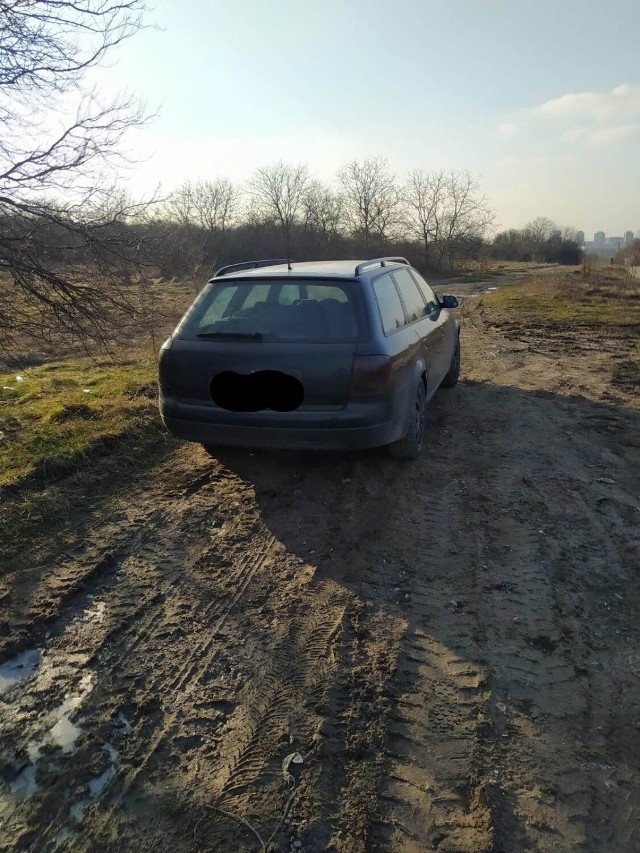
<point x="375" y="509"/>
<point x="297" y="673"/>
<point x="546" y="785"/>
<point x="331" y="525"/>
<point x="293" y="676"/>
<point x="77" y="573"/>
<point x="107" y="583"/>
<point x="71" y="635"/>
<point x="433" y="795"/>
<point x="430" y="797"/>
<point x="198" y="660"/>
<point x="217" y="612"/>
<point x="182" y="683"/>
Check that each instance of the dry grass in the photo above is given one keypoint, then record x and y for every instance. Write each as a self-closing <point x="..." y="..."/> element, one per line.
<point x="608" y="298"/>
<point x="150" y="310"/>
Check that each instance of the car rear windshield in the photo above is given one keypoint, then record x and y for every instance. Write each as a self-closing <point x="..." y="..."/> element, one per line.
<point x="291" y="310"/>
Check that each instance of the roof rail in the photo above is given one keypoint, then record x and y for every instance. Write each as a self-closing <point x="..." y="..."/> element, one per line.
<point x="382" y="261"/>
<point x="248" y="265"/>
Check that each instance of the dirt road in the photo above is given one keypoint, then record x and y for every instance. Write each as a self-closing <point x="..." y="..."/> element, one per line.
<point x="451" y="647"/>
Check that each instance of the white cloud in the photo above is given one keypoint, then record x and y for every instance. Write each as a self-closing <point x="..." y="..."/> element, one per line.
<point x="508" y="128"/>
<point x="600" y="137"/>
<point x="575" y="134"/>
<point x="610" y="135"/>
<point x="585" y="119"/>
<point x="623" y="102"/>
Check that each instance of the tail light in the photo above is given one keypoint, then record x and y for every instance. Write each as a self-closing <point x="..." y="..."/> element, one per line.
<point x="371" y="374"/>
<point x="163" y="362"/>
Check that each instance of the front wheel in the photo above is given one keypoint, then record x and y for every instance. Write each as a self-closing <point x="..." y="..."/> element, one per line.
<point x="454" y="368"/>
<point x="412" y="444"/>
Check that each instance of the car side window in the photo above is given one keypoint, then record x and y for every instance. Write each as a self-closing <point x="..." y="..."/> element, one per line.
<point x="411" y="296"/>
<point x="288" y="293"/>
<point x="429" y="295"/>
<point x="389" y="304"/>
<point x="258" y="293"/>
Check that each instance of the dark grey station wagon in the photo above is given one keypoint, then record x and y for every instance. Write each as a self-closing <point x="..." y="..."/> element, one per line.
<point x="331" y="354"/>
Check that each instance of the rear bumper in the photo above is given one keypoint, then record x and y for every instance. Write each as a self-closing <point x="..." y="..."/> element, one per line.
<point x="303" y="437"/>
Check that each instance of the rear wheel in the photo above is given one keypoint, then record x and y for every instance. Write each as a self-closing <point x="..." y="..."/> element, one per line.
<point x="412" y="444"/>
<point x="454" y="368"/>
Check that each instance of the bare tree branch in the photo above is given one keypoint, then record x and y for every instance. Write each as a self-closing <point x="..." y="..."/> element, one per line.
<point x="64" y="248"/>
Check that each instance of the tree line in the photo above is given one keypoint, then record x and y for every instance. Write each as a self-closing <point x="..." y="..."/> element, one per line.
<point x="437" y="218"/>
<point x="540" y="240"/>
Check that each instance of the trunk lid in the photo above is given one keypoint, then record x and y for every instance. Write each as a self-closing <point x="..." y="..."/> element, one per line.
<point x="322" y="369"/>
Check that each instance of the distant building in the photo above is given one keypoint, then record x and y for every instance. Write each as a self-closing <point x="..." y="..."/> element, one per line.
<point x="599" y="238"/>
<point x="580" y="238"/>
<point x="628" y="238"/>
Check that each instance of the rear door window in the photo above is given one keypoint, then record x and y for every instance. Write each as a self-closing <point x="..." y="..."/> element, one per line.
<point x="288" y="294"/>
<point x="258" y="293"/>
<point x="389" y="304"/>
<point x="276" y="310"/>
<point x="411" y="296"/>
<point x="429" y="295"/>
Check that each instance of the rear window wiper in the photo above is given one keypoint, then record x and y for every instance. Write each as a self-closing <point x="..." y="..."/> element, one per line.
<point x="250" y="336"/>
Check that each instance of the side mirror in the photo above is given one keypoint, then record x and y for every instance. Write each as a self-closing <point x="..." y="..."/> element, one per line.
<point x="449" y="302"/>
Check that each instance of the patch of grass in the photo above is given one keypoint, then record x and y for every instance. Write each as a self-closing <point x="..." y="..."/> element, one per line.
<point x="608" y="298"/>
<point x="53" y="415"/>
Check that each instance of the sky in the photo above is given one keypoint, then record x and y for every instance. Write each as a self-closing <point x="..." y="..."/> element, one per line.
<point x="541" y="101"/>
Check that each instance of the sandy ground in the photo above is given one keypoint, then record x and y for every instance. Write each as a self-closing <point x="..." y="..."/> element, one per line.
<point x="298" y="652"/>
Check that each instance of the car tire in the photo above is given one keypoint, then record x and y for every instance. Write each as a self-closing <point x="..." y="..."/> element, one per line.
<point x="412" y="444"/>
<point x="453" y="374"/>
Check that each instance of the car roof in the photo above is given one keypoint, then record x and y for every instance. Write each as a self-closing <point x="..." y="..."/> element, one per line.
<point x="307" y="269"/>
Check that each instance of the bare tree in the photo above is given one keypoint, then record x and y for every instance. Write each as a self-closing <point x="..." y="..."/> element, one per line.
<point x="58" y="146"/>
<point x="467" y="216"/>
<point x="446" y="212"/>
<point x="539" y="229"/>
<point x="322" y="212"/>
<point x="216" y="203"/>
<point x="539" y="240"/>
<point x="537" y="234"/>
<point x="212" y="205"/>
<point x="424" y="197"/>
<point x="371" y="198"/>
<point x="180" y="205"/>
<point x="279" y="192"/>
